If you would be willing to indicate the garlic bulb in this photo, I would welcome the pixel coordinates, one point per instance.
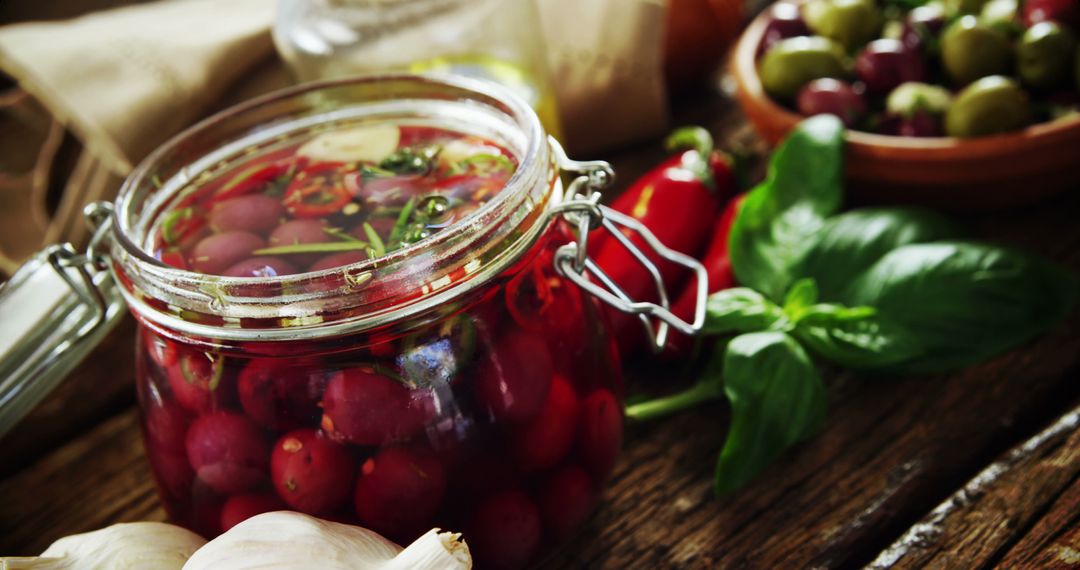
(287, 540)
(124, 546)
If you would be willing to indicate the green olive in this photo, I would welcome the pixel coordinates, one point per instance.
(1045, 55)
(1002, 15)
(794, 62)
(851, 23)
(970, 50)
(965, 6)
(990, 105)
(912, 97)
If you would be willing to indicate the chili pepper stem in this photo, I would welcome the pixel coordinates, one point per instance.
(699, 393)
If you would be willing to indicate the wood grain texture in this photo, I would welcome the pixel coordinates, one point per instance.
(96, 480)
(1054, 543)
(981, 522)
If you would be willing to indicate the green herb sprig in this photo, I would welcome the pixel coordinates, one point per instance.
(881, 290)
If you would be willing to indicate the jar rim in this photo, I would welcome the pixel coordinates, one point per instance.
(214, 306)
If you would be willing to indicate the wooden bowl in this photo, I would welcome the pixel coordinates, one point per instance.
(979, 173)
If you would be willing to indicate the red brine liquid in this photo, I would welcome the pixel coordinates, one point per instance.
(501, 418)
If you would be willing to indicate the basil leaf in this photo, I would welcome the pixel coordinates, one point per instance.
(779, 217)
(739, 310)
(857, 341)
(802, 295)
(851, 242)
(777, 399)
(965, 302)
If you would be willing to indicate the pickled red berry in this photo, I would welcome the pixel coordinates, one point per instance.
(161, 350)
(339, 259)
(512, 381)
(398, 492)
(545, 440)
(264, 266)
(785, 21)
(311, 473)
(280, 395)
(239, 508)
(504, 532)
(166, 424)
(197, 380)
(884, 64)
(255, 213)
(172, 472)
(566, 501)
(364, 407)
(228, 452)
(218, 252)
(832, 97)
(485, 472)
(600, 432)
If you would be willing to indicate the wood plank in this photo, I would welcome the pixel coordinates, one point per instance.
(96, 480)
(1055, 541)
(99, 388)
(979, 523)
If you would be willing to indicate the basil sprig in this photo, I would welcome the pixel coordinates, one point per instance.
(882, 290)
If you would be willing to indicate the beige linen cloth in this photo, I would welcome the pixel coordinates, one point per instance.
(122, 81)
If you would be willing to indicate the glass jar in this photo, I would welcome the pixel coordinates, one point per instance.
(464, 381)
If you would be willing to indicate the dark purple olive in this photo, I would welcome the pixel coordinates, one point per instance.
(921, 124)
(922, 26)
(296, 232)
(218, 252)
(832, 97)
(261, 267)
(884, 64)
(785, 21)
(255, 213)
(1065, 12)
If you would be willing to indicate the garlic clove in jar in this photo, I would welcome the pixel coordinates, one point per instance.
(370, 143)
(287, 540)
(124, 546)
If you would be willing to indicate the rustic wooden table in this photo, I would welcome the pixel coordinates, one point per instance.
(975, 469)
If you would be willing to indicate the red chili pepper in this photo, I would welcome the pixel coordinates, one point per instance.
(678, 201)
(317, 191)
(254, 178)
(717, 262)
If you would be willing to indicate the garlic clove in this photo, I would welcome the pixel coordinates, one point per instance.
(287, 540)
(435, 551)
(124, 546)
(369, 143)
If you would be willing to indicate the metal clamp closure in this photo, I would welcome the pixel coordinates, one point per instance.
(582, 209)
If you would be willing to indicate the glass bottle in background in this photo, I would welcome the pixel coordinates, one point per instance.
(497, 40)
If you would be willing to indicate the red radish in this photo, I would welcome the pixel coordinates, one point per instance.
(198, 380)
(601, 432)
(312, 473)
(567, 500)
(161, 350)
(366, 408)
(279, 395)
(239, 508)
(218, 252)
(264, 266)
(512, 380)
(228, 452)
(717, 262)
(339, 259)
(255, 213)
(398, 492)
(544, 441)
(504, 531)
